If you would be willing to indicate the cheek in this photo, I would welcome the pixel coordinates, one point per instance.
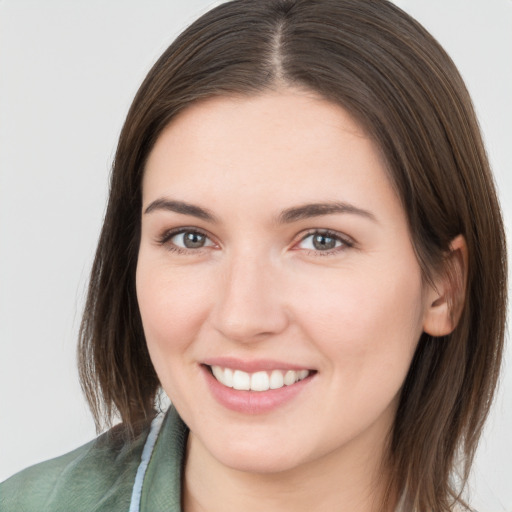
(370, 319)
(173, 305)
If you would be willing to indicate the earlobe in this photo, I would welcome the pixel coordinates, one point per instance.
(445, 301)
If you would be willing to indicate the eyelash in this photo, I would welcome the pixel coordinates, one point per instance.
(165, 238)
(346, 242)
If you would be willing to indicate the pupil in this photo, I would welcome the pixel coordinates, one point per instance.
(193, 240)
(322, 242)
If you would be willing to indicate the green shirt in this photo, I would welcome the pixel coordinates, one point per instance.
(100, 475)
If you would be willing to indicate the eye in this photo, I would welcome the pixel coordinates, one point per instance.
(186, 239)
(323, 241)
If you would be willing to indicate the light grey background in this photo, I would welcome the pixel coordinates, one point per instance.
(68, 71)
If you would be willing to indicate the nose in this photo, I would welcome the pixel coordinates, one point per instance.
(251, 300)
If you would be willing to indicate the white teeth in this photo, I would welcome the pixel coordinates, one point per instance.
(258, 381)
(303, 374)
(218, 373)
(228, 377)
(241, 380)
(289, 377)
(276, 379)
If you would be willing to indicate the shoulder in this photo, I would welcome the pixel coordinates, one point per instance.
(97, 476)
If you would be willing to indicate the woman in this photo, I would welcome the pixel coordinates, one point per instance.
(303, 247)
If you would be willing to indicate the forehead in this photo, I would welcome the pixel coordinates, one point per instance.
(280, 147)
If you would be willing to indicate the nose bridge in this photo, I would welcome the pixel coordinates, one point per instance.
(250, 305)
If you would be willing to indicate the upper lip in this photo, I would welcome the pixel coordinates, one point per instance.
(253, 365)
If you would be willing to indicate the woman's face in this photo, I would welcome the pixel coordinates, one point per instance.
(276, 255)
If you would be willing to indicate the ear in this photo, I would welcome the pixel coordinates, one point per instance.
(445, 300)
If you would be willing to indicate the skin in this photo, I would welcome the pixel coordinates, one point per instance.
(259, 289)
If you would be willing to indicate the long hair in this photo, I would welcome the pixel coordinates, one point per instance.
(393, 77)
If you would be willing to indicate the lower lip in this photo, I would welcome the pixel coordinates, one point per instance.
(253, 402)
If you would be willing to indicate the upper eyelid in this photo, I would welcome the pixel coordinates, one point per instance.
(346, 239)
(169, 233)
(346, 243)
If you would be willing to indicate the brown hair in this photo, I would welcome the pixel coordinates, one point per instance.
(396, 80)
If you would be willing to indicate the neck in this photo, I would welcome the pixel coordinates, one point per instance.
(347, 480)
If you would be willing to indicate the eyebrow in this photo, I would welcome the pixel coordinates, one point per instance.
(317, 209)
(181, 207)
(287, 216)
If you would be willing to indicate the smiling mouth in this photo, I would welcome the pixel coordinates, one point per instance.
(258, 381)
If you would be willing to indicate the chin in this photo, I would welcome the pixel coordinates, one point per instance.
(262, 450)
(256, 460)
